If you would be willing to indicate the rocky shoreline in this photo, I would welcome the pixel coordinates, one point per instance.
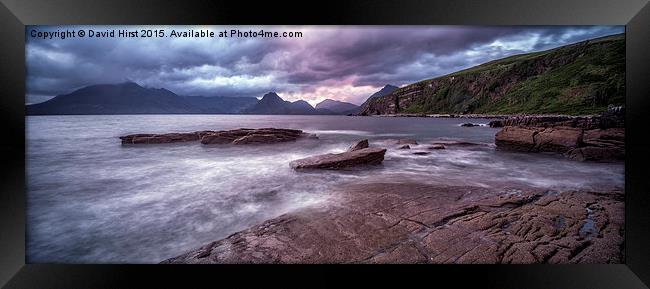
(598, 138)
(483, 116)
(418, 223)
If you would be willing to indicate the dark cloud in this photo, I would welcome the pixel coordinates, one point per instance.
(337, 62)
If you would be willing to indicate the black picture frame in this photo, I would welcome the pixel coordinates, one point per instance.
(15, 14)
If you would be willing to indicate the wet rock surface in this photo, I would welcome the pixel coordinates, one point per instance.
(597, 138)
(577, 144)
(144, 138)
(455, 143)
(403, 141)
(556, 139)
(358, 157)
(418, 223)
(495, 123)
(437, 147)
(237, 136)
(362, 144)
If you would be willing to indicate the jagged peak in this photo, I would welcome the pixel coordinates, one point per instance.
(271, 94)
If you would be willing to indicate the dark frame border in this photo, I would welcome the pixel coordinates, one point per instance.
(15, 14)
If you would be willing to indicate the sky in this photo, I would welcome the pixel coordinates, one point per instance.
(346, 63)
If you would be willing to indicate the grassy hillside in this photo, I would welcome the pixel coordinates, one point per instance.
(582, 78)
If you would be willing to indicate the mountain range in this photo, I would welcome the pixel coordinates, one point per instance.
(131, 98)
(580, 78)
(272, 103)
(336, 106)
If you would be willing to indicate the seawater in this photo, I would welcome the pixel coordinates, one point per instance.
(93, 200)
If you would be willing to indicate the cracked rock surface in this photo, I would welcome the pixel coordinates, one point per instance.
(235, 136)
(419, 223)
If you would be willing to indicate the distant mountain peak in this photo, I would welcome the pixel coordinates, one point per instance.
(387, 89)
(335, 105)
(271, 95)
(129, 83)
(328, 100)
(131, 98)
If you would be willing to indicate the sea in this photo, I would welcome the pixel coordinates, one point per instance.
(91, 199)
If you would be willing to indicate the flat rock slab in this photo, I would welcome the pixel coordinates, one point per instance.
(253, 136)
(575, 143)
(417, 223)
(366, 156)
(237, 136)
(144, 138)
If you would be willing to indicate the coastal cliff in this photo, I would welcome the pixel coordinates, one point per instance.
(577, 79)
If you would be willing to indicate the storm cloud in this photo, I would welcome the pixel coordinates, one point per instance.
(339, 62)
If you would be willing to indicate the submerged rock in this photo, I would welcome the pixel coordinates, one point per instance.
(469, 125)
(362, 144)
(597, 154)
(555, 139)
(461, 143)
(437, 147)
(404, 147)
(495, 123)
(366, 156)
(403, 141)
(421, 153)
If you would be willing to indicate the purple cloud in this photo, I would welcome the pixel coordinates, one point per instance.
(346, 62)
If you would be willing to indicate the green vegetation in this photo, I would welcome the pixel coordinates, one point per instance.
(582, 78)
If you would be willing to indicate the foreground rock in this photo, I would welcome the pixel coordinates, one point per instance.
(416, 223)
(236, 136)
(365, 156)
